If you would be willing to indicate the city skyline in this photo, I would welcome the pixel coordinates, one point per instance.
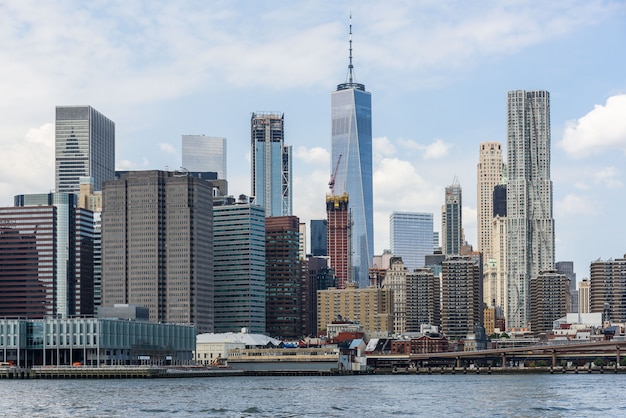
(438, 77)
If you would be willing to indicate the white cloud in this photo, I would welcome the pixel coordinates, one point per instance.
(308, 188)
(470, 220)
(28, 164)
(315, 155)
(608, 177)
(382, 147)
(168, 148)
(398, 187)
(132, 165)
(600, 130)
(573, 205)
(435, 150)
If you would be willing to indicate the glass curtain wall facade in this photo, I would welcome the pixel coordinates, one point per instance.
(411, 236)
(351, 120)
(530, 225)
(84, 147)
(239, 242)
(271, 164)
(204, 153)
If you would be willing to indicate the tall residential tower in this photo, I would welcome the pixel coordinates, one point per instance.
(351, 127)
(452, 220)
(530, 226)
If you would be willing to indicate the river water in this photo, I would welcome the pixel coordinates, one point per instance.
(536, 395)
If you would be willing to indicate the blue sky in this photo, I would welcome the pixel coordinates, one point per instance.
(438, 73)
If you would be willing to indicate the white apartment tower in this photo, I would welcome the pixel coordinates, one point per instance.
(530, 225)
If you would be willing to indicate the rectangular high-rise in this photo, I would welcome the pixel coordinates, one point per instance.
(411, 236)
(271, 164)
(461, 302)
(84, 147)
(530, 225)
(607, 290)
(339, 239)
(157, 246)
(239, 242)
(284, 278)
(46, 257)
(203, 153)
(452, 220)
(319, 237)
(351, 129)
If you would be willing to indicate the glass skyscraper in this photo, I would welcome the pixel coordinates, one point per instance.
(411, 236)
(84, 147)
(351, 127)
(239, 242)
(271, 164)
(530, 225)
(204, 153)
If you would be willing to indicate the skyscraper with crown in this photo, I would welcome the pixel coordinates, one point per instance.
(351, 119)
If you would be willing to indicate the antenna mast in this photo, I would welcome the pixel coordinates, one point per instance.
(350, 66)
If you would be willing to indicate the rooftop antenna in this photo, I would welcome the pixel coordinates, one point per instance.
(350, 83)
(350, 66)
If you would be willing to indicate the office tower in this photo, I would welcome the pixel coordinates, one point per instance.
(319, 237)
(351, 127)
(239, 254)
(372, 307)
(489, 174)
(607, 293)
(271, 164)
(530, 226)
(422, 299)
(84, 147)
(548, 300)
(46, 250)
(451, 220)
(584, 305)
(204, 153)
(395, 280)
(411, 236)
(285, 280)
(157, 246)
(461, 303)
(567, 268)
(339, 244)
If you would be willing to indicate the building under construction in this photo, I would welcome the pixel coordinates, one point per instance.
(339, 248)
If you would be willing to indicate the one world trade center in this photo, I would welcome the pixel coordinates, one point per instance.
(351, 115)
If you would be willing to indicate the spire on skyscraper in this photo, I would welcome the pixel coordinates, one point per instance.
(350, 76)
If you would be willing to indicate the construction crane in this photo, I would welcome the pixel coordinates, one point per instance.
(331, 183)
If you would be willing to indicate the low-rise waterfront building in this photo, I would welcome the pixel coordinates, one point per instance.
(213, 349)
(94, 342)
